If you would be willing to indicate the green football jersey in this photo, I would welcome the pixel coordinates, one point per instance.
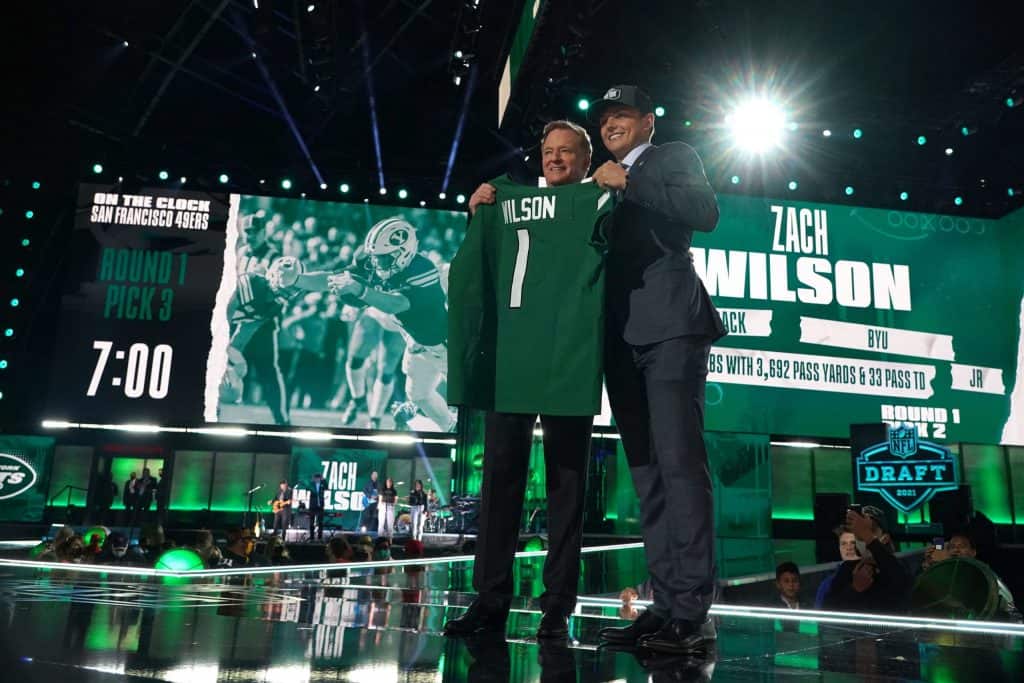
(526, 302)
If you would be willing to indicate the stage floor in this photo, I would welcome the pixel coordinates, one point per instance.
(384, 624)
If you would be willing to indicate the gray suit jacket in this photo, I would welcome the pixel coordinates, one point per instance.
(653, 292)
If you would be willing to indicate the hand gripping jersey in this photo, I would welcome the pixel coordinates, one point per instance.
(254, 299)
(526, 302)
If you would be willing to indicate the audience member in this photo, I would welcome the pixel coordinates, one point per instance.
(413, 548)
(276, 552)
(71, 550)
(115, 551)
(382, 548)
(961, 545)
(206, 548)
(338, 550)
(238, 551)
(47, 550)
(847, 553)
(878, 581)
(787, 581)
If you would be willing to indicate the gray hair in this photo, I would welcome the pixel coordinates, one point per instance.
(580, 131)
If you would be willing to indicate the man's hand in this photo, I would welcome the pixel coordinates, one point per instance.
(933, 555)
(863, 576)
(344, 283)
(485, 194)
(861, 526)
(628, 595)
(611, 176)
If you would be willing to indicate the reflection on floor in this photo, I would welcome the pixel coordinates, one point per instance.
(385, 624)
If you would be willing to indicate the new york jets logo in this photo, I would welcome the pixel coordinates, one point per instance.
(16, 476)
(398, 237)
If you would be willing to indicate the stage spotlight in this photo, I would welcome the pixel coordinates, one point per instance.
(583, 104)
(849, 190)
(25, 242)
(286, 184)
(182, 180)
(36, 185)
(323, 186)
(921, 139)
(1010, 192)
(30, 214)
(458, 54)
(403, 194)
(163, 175)
(757, 125)
(958, 201)
(14, 303)
(223, 178)
(457, 80)
(344, 188)
(735, 180)
(125, 43)
(3, 364)
(858, 133)
(1014, 101)
(904, 196)
(659, 111)
(687, 123)
(422, 203)
(826, 133)
(793, 185)
(442, 195)
(9, 332)
(460, 199)
(20, 272)
(968, 130)
(383, 191)
(310, 8)
(97, 168)
(949, 151)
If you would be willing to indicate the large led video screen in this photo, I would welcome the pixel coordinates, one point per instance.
(183, 308)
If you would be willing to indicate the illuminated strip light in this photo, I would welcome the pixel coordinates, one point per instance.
(294, 569)
(301, 435)
(593, 435)
(805, 444)
(860, 618)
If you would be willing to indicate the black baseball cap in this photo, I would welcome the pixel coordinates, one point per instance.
(629, 95)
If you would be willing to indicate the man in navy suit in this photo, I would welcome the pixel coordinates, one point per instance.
(316, 507)
(660, 327)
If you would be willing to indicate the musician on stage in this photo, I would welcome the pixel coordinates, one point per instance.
(316, 508)
(370, 495)
(282, 505)
(386, 509)
(417, 509)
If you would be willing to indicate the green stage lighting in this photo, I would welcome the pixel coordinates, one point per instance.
(20, 272)
(904, 196)
(25, 242)
(460, 199)
(1011, 102)
(30, 214)
(793, 185)
(383, 191)
(14, 303)
(97, 168)
(403, 194)
(735, 180)
(921, 139)
(286, 184)
(959, 201)
(180, 560)
(442, 195)
(344, 188)
(1010, 192)
(659, 111)
(3, 364)
(36, 185)
(687, 123)
(99, 531)
(858, 133)
(164, 175)
(583, 104)
(849, 190)
(223, 178)
(9, 332)
(534, 544)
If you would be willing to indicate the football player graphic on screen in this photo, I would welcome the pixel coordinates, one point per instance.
(401, 290)
(254, 313)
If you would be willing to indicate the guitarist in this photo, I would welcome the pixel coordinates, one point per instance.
(282, 504)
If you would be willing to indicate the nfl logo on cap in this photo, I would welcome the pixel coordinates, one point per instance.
(613, 94)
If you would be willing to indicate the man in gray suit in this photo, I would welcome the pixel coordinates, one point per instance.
(660, 327)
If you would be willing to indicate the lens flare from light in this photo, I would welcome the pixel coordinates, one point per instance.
(757, 125)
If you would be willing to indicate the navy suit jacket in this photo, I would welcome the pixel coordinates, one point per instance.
(653, 292)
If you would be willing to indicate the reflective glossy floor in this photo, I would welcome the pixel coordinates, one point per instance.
(384, 624)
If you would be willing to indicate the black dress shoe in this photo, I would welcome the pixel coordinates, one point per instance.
(647, 623)
(479, 618)
(553, 625)
(676, 637)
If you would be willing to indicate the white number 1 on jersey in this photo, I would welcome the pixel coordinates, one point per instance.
(519, 272)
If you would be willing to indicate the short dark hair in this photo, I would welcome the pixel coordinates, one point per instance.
(283, 481)
(966, 535)
(786, 568)
(580, 131)
(339, 548)
(317, 475)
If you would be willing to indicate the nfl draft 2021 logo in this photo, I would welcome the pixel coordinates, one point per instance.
(906, 471)
(16, 476)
